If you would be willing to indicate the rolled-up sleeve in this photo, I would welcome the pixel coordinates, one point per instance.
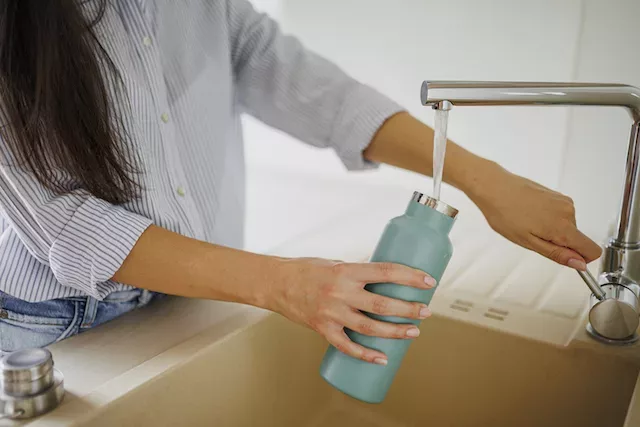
(297, 91)
(83, 239)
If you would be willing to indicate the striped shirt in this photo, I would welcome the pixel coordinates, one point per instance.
(190, 69)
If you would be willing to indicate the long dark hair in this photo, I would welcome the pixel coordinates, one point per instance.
(55, 98)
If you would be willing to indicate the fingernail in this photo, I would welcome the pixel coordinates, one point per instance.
(430, 281)
(413, 332)
(425, 312)
(380, 361)
(577, 264)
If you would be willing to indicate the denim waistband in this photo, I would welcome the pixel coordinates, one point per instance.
(66, 308)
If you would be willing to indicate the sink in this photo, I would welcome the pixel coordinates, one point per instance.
(506, 347)
(455, 374)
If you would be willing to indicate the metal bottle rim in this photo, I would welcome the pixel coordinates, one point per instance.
(435, 204)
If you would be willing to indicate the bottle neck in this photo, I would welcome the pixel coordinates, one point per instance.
(430, 217)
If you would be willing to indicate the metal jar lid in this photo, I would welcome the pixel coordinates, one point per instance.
(29, 384)
(26, 365)
(435, 204)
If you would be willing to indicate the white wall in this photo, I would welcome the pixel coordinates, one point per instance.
(395, 45)
(598, 137)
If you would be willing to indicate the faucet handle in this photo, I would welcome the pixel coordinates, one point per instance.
(592, 283)
(615, 319)
(615, 307)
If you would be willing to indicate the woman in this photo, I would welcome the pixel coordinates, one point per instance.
(122, 169)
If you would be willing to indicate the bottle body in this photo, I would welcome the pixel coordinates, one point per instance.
(419, 239)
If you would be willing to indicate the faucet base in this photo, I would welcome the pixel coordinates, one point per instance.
(626, 341)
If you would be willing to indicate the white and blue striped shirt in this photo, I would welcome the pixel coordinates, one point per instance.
(190, 69)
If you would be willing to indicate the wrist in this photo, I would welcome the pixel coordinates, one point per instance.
(276, 279)
(474, 175)
(234, 275)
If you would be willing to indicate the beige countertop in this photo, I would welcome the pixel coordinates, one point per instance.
(148, 337)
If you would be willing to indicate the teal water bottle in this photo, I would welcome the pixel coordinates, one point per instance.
(419, 239)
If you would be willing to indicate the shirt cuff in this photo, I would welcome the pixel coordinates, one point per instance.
(93, 245)
(363, 113)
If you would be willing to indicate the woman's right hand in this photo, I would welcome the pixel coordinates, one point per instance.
(328, 296)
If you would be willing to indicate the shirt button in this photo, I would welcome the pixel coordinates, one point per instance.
(164, 117)
(181, 191)
(146, 41)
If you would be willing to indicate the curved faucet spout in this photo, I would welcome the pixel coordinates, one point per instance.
(531, 93)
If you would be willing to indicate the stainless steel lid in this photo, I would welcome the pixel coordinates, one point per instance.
(26, 365)
(29, 384)
(24, 407)
(436, 204)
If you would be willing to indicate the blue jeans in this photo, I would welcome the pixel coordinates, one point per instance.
(37, 324)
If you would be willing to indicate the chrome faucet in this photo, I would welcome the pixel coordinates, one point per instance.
(615, 299)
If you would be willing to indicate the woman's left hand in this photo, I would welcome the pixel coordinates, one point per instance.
(533, 216)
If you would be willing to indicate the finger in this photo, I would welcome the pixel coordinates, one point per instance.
(387, 272)
(342, 343)
(568, 235)
(385, 306)
(580, 243)
(560, 254)
(360, 323)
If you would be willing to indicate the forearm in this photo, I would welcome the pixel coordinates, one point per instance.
(407, 143)
(170, 263)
